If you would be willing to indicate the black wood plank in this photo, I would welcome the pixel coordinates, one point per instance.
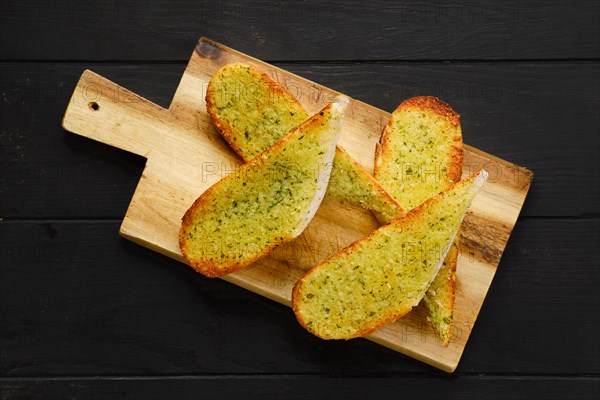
(45, 171)
(540, 115)
(305, 387)
(75, 299)
(293, 30)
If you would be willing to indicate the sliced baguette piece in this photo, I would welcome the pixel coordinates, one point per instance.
(252, 111)
(420, 154)
(268, 201)
(382, 277)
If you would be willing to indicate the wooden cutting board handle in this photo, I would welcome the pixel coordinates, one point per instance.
(106, 112)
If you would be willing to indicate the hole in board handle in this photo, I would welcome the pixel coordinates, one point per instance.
(93, 106)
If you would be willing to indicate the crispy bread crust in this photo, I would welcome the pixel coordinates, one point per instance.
(297, 293)
(213, 270)
(209, 269)
(225, 129)
(432, 105)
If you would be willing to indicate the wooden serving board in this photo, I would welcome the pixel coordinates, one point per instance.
(186, 156)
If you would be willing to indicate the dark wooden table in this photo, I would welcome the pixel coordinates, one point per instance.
(85, 314)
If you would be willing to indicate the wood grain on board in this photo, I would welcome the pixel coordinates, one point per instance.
(186, 156)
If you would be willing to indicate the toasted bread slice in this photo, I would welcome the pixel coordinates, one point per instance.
(383, 276)
(420, 154)
(252, 111)
(267, 202)
(420, 151)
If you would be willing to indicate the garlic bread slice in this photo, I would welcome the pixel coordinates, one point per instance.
(382, 277)
(267, 202)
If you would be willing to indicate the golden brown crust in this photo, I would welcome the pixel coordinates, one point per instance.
(297, 295)
(427, 104)
(208, 269)
(406, 218)
(223, 127)
(297, 290)
(382, 155)
(212, 270)
(378, 154)
(430, 103)
(456, 159)
(441, 108)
